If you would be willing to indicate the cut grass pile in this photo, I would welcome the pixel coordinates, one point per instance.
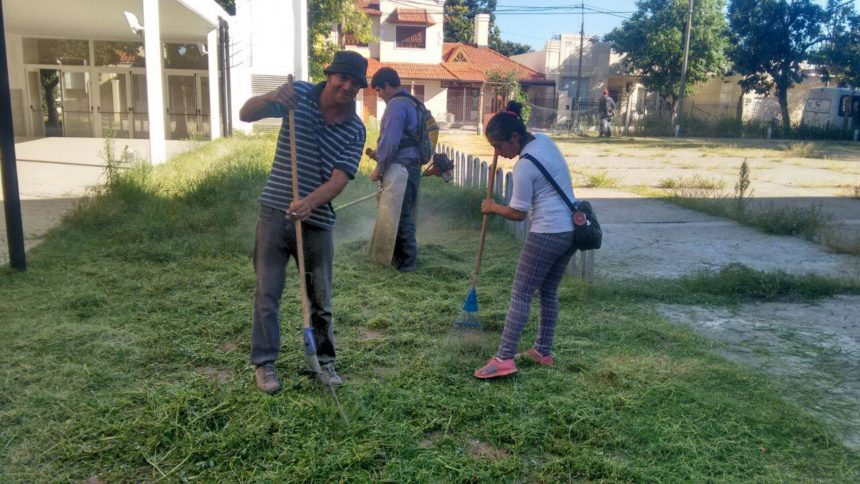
(125, 358)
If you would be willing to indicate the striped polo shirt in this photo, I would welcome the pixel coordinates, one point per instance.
(320, 148)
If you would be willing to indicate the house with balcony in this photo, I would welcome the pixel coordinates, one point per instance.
(449, 77)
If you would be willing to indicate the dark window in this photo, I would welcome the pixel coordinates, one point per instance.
(411, 37)
(844, 105)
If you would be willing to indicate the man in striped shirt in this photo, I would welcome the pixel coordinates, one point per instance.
(329, 140)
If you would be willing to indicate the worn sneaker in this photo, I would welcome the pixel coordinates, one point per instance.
(496, 368)
(328, 376)
(539, 358)
(267, 379)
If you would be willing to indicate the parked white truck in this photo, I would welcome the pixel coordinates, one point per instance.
(832, 107)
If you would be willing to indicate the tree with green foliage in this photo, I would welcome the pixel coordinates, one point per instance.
(460, 25)
(228, 5)
(507, 86)
(839, 56)
(652, 42)
(771, 39)
(322, 14)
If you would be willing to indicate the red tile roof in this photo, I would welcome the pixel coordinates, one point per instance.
(411, 70)
(484, 59)
(370, 7)
(481, 61)
(414, 16)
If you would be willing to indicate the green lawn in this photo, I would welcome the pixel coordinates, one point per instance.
(125, 358)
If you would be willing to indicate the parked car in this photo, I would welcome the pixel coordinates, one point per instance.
(832, 107)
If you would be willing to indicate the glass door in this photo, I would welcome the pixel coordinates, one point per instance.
(182, 107)
(204, 119)
(43, 86)
(139, 106)
(77, 107)
(114, 109)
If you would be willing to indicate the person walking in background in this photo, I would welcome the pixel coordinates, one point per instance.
(605, 111)
(329, 140)
(398, 150)
(549, 245)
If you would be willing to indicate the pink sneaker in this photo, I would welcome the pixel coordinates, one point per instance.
(496, 368)
(539, 358)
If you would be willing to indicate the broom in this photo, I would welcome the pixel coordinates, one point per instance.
(469, 316)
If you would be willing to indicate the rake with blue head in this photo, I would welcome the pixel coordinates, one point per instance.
(468, 318)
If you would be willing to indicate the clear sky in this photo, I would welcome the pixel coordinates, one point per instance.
(530, 22)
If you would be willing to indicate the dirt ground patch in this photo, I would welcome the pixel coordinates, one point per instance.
(215, 374)
(811, 351)
(485, 450)
(825, 173)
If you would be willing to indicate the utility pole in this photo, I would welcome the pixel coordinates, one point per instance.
(579, 70)
(680, 105)
(11, 198)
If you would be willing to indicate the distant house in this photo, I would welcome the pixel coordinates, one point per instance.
(583, 77)
(449, 77)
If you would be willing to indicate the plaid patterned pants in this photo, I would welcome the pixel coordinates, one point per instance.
(542, 264)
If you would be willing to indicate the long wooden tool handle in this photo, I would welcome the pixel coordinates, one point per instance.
(491, 179)
(300, 245)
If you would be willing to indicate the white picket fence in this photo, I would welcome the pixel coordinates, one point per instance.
(473, 173)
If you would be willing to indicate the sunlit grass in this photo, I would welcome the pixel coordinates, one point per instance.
(125, 357)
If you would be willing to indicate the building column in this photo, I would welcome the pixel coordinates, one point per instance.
(214, 85)
(154, 81)
(302, 40)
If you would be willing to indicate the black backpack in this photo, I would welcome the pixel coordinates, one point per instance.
(428, 131)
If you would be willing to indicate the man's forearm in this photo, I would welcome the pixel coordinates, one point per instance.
(328, 190)
(255, 108)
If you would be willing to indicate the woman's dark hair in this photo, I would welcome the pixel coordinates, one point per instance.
(506, 123)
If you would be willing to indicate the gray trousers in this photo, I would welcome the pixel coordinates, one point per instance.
(275, 243)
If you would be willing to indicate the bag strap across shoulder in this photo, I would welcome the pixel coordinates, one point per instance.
(551, 180)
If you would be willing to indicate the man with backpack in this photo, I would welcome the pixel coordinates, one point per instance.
(605, 110)
(402, 149)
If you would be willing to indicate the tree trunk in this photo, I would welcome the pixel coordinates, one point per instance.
(739, 111)
(782, 96)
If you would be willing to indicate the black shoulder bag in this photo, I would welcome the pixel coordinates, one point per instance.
(586, 229)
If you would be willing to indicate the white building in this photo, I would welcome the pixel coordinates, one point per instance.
(449, 77)
(600, 69)
(84, 68)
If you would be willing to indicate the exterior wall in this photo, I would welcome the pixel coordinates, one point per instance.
(17, 82)
(533, 60)
(435, 99)
(268, 41)
(431, 54)
(718, 91)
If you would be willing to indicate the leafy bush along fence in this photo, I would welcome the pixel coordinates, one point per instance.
(473, 173)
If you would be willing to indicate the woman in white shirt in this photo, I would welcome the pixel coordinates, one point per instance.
(549, 244)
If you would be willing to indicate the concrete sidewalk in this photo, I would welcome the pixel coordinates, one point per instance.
(649, 238)
(53, 175)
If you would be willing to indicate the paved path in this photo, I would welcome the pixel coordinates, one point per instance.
(649, 238)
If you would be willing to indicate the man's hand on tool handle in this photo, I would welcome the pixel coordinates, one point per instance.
(299, 209)
(374, 175)
(284, 95)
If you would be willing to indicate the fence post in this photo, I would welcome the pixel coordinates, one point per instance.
(484, 175)
(469, 171)
(856, 134)
(476, 172)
